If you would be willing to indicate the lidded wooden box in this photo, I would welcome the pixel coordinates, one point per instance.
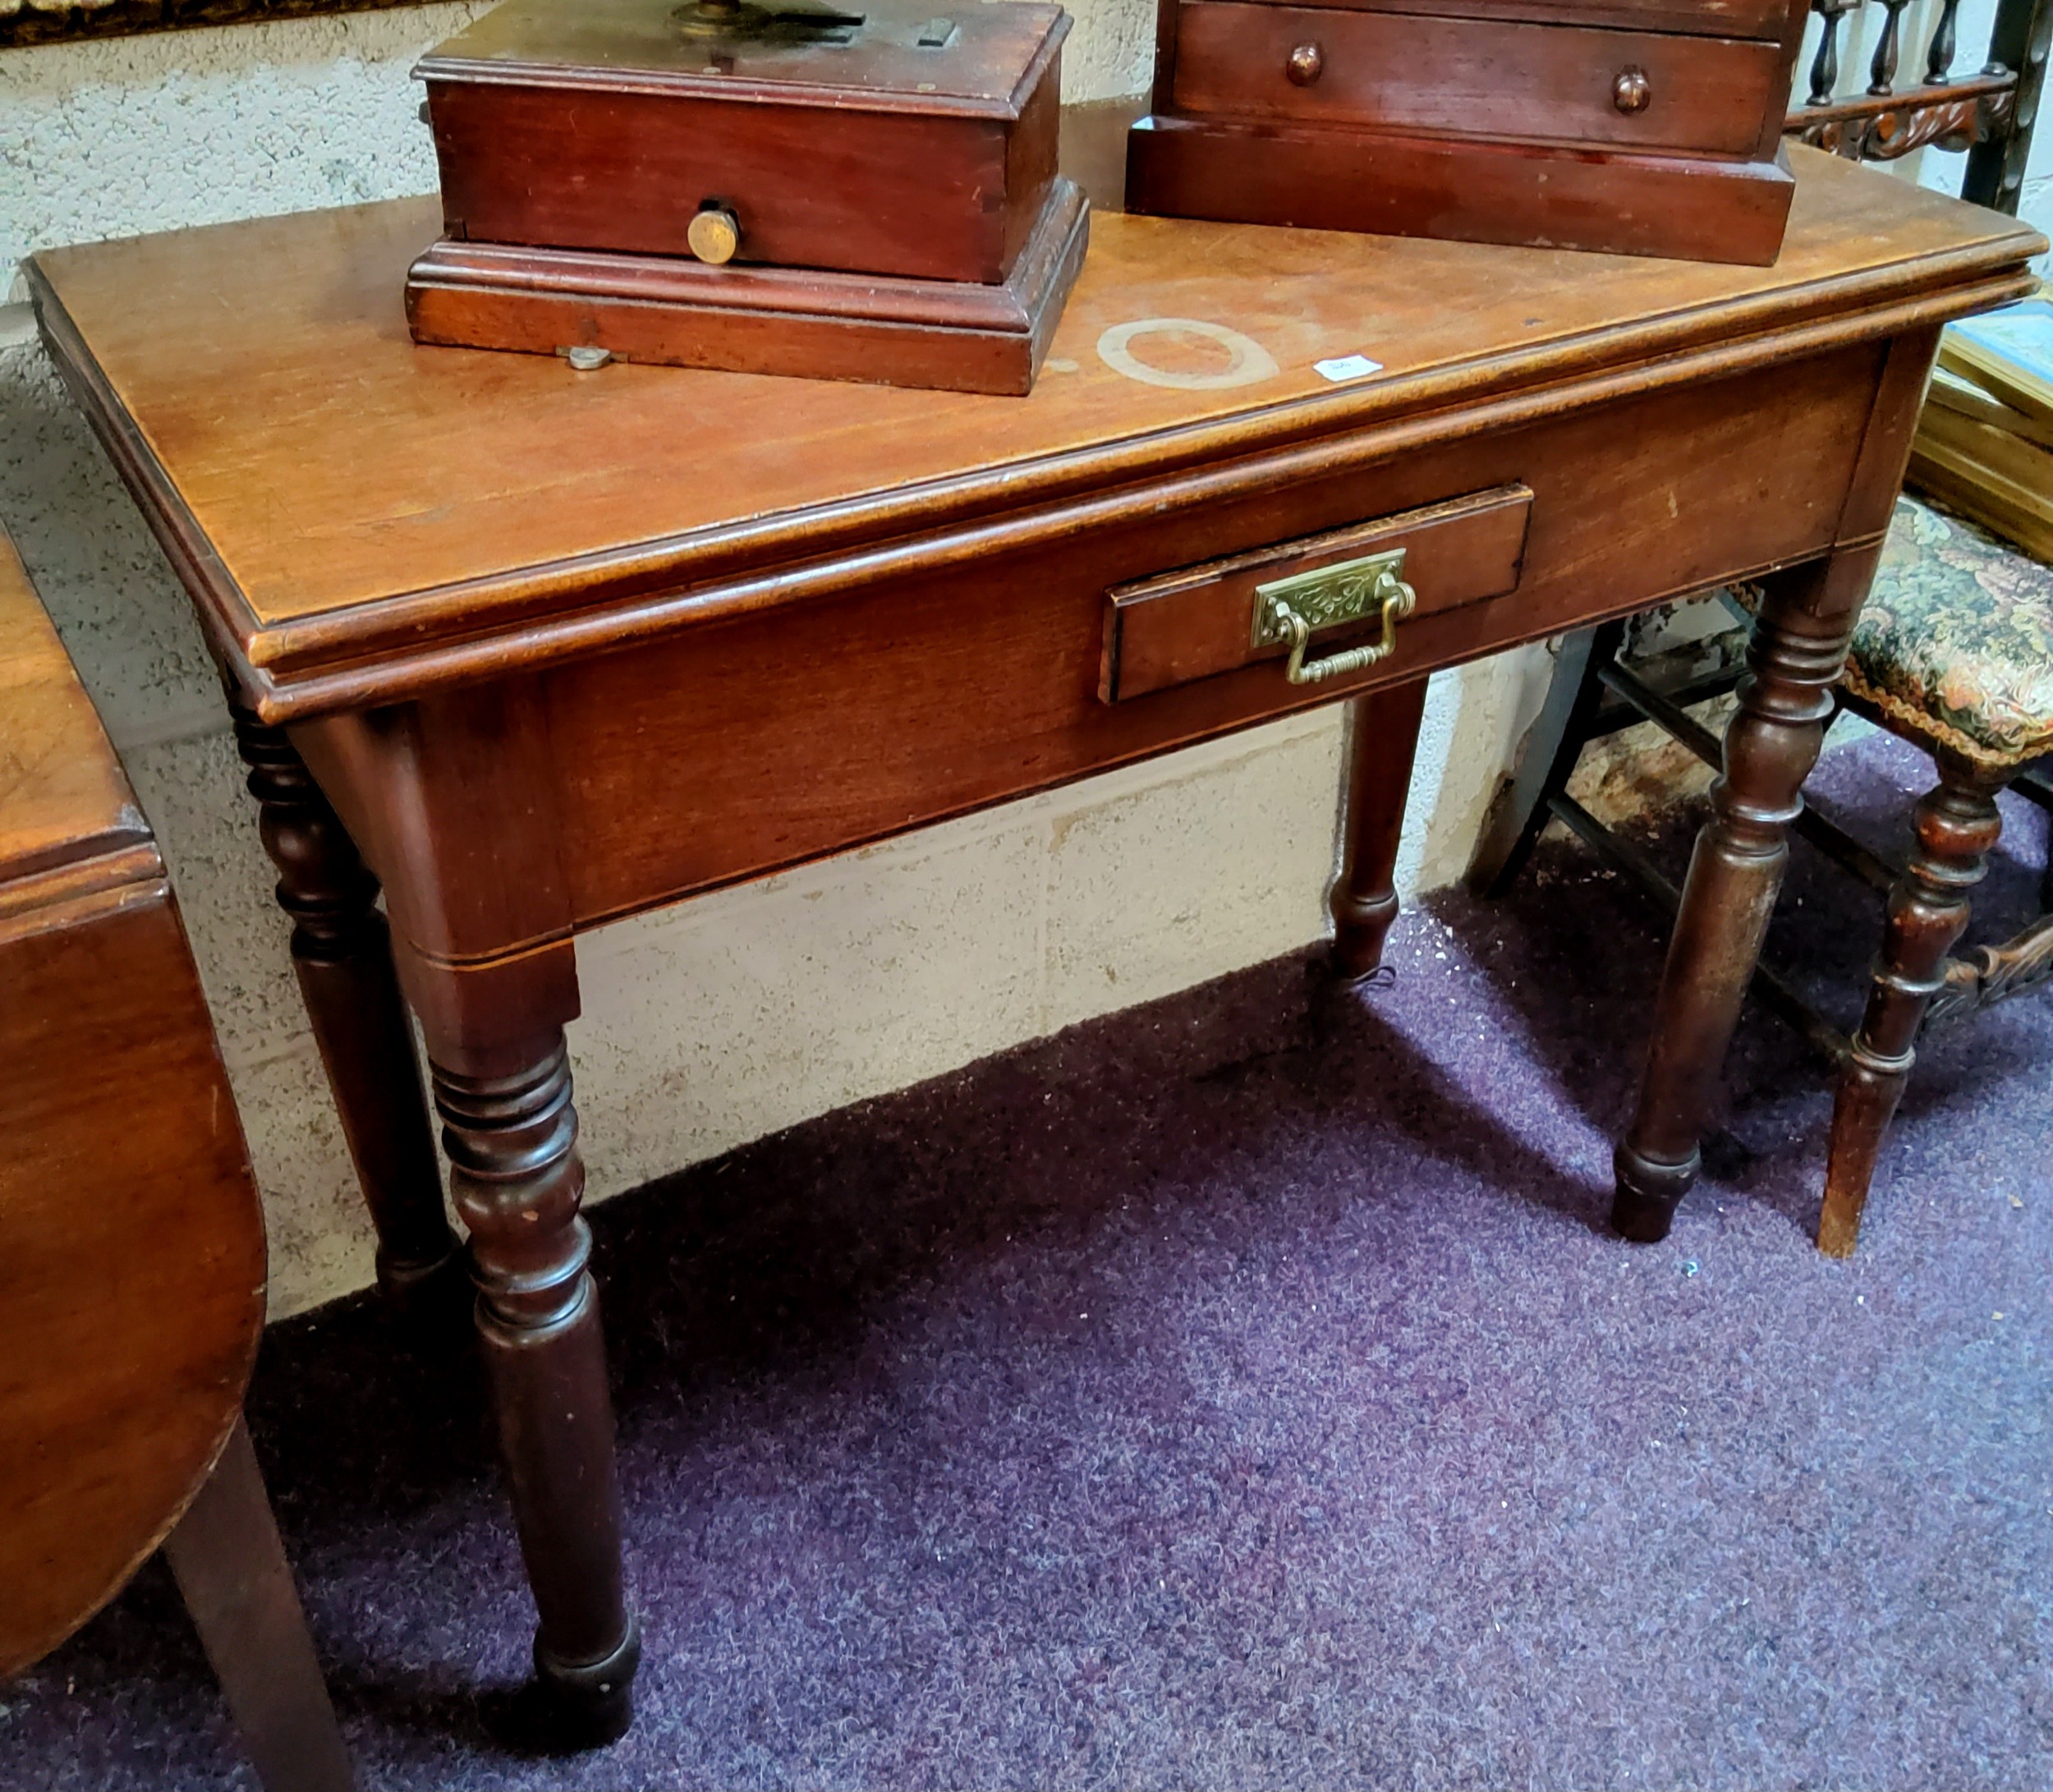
(1641, 127)
(860, 191)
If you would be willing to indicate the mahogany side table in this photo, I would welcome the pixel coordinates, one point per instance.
(537, 648)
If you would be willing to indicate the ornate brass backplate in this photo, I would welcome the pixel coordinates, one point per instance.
(1292, 610)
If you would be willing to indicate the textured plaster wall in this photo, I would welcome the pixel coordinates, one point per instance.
(728, 1017)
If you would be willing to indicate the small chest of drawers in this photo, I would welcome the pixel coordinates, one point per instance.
(1638, 126)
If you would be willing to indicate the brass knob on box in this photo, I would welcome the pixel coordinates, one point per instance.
(714, 234)
(1305, 65)
(1631, 91)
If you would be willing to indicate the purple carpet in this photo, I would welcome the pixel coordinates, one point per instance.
(1244, 1391)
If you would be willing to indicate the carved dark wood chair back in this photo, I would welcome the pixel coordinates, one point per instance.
(1988, 114)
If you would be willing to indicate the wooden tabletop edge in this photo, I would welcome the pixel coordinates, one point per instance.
(359, 651)
(352, 655)
(226, 615)
(65, 800)
(109, 872)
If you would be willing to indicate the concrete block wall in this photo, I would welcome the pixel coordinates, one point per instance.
(727, 1018)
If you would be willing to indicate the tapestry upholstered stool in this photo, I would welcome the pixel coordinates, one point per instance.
(1954, 653)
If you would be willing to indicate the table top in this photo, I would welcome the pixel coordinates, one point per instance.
(358, 517)
(62, 797)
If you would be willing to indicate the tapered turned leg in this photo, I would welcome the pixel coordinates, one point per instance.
(1957, 827)
(1799, 644)
(1383, 741)
(511, 1135)
(343, 954)
(230, 1566)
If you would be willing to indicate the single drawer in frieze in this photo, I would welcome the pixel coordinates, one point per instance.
(1323, 607)
(1476, 77)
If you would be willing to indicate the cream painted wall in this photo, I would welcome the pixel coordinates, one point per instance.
(730, 1018)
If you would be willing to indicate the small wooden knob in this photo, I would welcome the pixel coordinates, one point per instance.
(715, 234)
(1306, 63)
(1631, 91)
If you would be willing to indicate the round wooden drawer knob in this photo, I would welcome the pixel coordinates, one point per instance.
(1306, 63)
(1631, 91)
(715, 234)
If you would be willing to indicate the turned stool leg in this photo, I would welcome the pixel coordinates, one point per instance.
(1799, 644)
(1957, 827)
(516, 1180)
(1383, 741)
(343, 954)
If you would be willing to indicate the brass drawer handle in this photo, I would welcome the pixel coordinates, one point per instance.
(1289, 609)
(1631, 91)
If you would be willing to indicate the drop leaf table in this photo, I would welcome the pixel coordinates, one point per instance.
(131, 1239)
(536, 648)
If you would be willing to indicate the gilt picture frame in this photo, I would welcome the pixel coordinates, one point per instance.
(25, 24)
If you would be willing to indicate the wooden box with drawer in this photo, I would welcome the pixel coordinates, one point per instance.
(864, 192)
(1639, 127)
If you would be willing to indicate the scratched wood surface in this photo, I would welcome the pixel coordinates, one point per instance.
(595, 42)
(331, 490)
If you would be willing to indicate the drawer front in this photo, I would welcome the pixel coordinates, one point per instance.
(1476, 77)
(1775, 19)
(1225, 614)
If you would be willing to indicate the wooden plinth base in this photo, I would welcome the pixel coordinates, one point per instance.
(1331, 177)
(954, 335)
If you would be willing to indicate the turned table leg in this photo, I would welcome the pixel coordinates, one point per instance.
(1799, 645)
(1957, 827)
(516, 1180)
(343, 954)
(1383, 741)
